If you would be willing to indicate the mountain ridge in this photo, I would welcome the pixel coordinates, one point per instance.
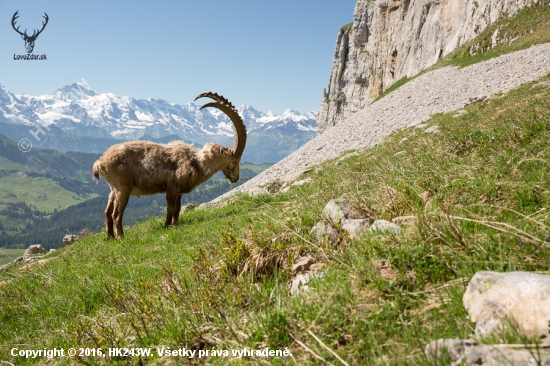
(77, 110)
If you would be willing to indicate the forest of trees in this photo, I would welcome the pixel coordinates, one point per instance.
(48, 228)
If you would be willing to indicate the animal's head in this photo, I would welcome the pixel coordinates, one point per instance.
(230, 168)
(231, 157)
(29, 40)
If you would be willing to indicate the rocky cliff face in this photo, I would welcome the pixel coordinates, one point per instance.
(391, 39)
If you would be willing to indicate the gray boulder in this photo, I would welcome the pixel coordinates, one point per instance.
(338, 209)
(34, 249)
(300, 283)
(521, 296)
(70, 239)
(355, 227)
(465, 352)
(386, 227)
(325, 230)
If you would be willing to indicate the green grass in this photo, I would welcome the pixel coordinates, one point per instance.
(6, 164)
(528, 27)
(220, 281)
(8, 255)
(44, 193)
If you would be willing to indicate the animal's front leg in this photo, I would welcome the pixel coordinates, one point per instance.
(171, 203)
(122, 198)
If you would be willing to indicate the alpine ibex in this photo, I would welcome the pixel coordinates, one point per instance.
(144, 168)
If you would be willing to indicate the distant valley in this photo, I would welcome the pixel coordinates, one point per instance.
(45, 194)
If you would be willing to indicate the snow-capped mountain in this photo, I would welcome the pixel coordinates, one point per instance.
(79, 111)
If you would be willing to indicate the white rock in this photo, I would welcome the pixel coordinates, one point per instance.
(70, 239)
(34, 249)
(385, 227)
(460, 112)
(354, 227)
(257, 191)
(467, 352)
(522, 296)
(300, 283)
(433, 129)
(295, 184)
(189, 207)
(324, 229)
(294, 176)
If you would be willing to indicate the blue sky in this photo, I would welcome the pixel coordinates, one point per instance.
(273, 55)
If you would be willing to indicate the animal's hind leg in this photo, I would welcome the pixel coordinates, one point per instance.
(122, 198)
(171, 207)
(109, 215)
(178, 209)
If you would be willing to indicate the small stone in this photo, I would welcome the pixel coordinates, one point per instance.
(421, 125)
(385, 227)
(274, 186)
(70, 239)
(35, 249)
(208, 205)
(338, 209)
(297, 183)
(459, 113)
(433, 129)
(338, 163)
(189, 207)
(302, 264)
(354, 227)
(399, 153)
(257, 191)
(300, 282)
(403, 140)
(325, 230)
(318, 170)
(294, 176)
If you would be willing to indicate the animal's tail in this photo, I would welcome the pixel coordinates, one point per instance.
(96, 171)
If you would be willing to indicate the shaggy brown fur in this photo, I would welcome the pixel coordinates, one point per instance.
(144, 168)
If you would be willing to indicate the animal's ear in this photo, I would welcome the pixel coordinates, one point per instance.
(224, 151)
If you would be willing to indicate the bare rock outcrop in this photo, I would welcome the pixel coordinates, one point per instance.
(493, 298)
(392, 39)
(464, 352)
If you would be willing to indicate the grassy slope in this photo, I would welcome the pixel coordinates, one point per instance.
(528, 27)
(44, 193)
(219, 281)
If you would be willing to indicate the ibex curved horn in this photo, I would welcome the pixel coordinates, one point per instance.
(225, 106)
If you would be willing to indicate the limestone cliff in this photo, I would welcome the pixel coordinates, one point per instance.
(391, 39)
